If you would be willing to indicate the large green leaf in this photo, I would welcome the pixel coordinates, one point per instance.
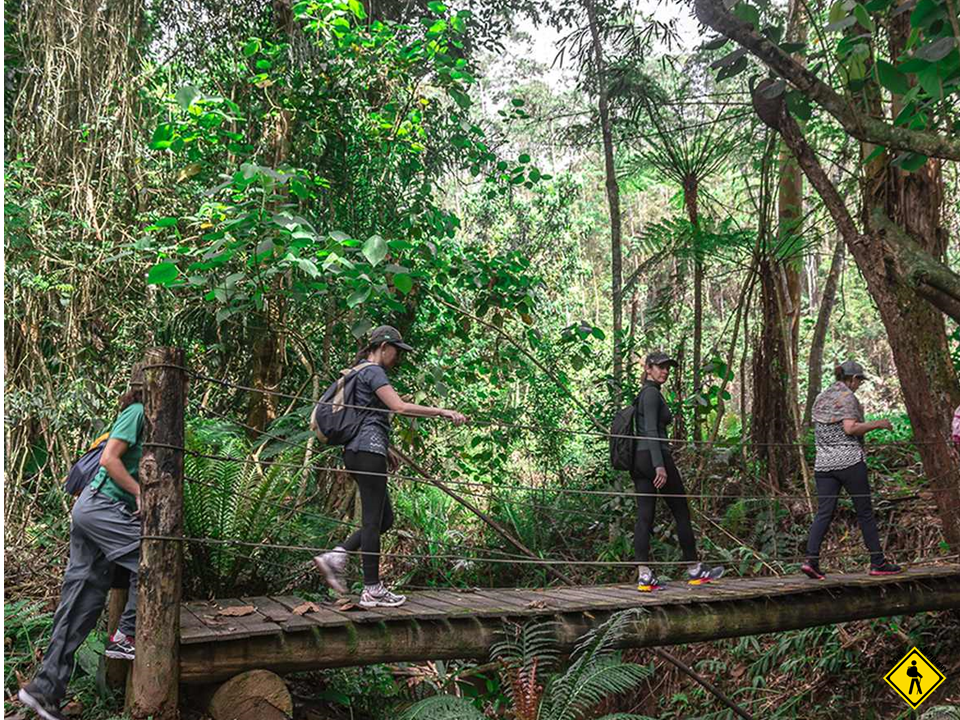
(162, 274)
(375, 249)
(891, 78)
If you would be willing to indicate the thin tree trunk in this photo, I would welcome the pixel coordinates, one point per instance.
(690, 201)
(613, 199)
(815, 370)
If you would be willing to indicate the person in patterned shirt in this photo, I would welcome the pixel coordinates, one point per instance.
(839, 427)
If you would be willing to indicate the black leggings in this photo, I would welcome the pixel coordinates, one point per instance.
(370, 472)
(643, 474)
(854, 480)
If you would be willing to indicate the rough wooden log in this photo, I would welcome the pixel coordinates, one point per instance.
(156, 670)
(115, 672)
(470, 636)
(253, 695)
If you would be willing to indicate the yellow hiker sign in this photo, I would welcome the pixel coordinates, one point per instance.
(914, 678)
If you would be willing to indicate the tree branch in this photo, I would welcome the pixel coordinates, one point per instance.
(914, 267)
(868, 129)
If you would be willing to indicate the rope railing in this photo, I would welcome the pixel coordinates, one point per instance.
(525, 426)
(521, 561)
(535, 488)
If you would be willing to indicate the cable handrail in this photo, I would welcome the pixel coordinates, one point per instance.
(531, 427)
(531, 488)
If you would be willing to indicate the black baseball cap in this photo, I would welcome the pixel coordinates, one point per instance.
(852, 369)
(658, 357)
(388, 334)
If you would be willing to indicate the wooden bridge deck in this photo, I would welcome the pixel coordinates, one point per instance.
(446, 624)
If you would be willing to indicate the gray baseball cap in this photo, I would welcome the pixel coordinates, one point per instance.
(658, 357)
(852, 369)
(388, 334)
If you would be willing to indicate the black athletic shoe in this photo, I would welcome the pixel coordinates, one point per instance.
(120, 647)
(40, 704)
(811, 568)
(885, 568)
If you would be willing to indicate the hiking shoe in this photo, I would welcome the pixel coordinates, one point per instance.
(332, 565)
(811, 568)
(120, 647)
(647, 581)
(39, 703)
(885, 568)
(700, 574)
(378, 596)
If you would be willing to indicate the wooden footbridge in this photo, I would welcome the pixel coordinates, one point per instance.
(286, 633)
(202, 642)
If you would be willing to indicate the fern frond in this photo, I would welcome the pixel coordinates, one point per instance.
(442, 707)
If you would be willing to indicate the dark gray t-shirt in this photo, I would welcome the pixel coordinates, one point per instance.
(374, 433)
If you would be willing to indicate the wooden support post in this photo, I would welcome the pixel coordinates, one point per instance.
(115, 673)
(156, 671)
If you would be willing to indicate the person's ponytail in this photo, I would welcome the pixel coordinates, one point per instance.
(838, 372)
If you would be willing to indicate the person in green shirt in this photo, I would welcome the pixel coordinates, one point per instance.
(105, 533)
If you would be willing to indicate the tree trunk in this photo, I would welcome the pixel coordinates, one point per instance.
(815, 370)
(156, 670)
(690, 201)
(771, 425)
(908, 204)
(613, 199)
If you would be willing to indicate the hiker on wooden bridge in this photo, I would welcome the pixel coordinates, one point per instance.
(342, 414)
(654, 472)
(104, 534)
(839, 427)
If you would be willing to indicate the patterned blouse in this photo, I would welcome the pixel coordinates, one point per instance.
(835, 449)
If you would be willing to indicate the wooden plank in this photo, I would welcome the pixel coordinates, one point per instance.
(327, 616)
(426, 609)
(218, 627)
(275, 612)
(192, 628)
(254, 624)
(477, 604)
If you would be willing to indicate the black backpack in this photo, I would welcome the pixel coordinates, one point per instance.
(335, 420)
(86, 468)
(622, 443)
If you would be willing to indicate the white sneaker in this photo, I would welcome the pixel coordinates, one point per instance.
(331, 565)
(379, 596)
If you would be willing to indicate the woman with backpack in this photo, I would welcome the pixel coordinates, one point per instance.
(104, 535)
(839, 427)
(368, 457)
(655, 472)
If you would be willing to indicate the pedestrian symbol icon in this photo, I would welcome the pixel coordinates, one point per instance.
(914, 678)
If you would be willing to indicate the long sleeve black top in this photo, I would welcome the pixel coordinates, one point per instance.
(653, 416)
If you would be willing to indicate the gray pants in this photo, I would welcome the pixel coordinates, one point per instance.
(104, 533)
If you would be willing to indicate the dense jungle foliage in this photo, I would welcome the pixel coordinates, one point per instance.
(536, 194)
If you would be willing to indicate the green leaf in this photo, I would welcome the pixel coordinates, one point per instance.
(308, 266)
(910, 162)
(162, 136)
(252, 47)
(877, 152)
(162, 274)
(438, 27)
(358, 296)
(166, 222)
(716, 43)
(356, 7)
(748, 14)
(936, 50)
(930, 81)
(841, 24)
(523, 159)
(403, 283)
(863, 17)
(375, 250)
(437, 7)
(877, 6)
(837, 12)
(186, 95)
(891, 78)
(799, 106)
